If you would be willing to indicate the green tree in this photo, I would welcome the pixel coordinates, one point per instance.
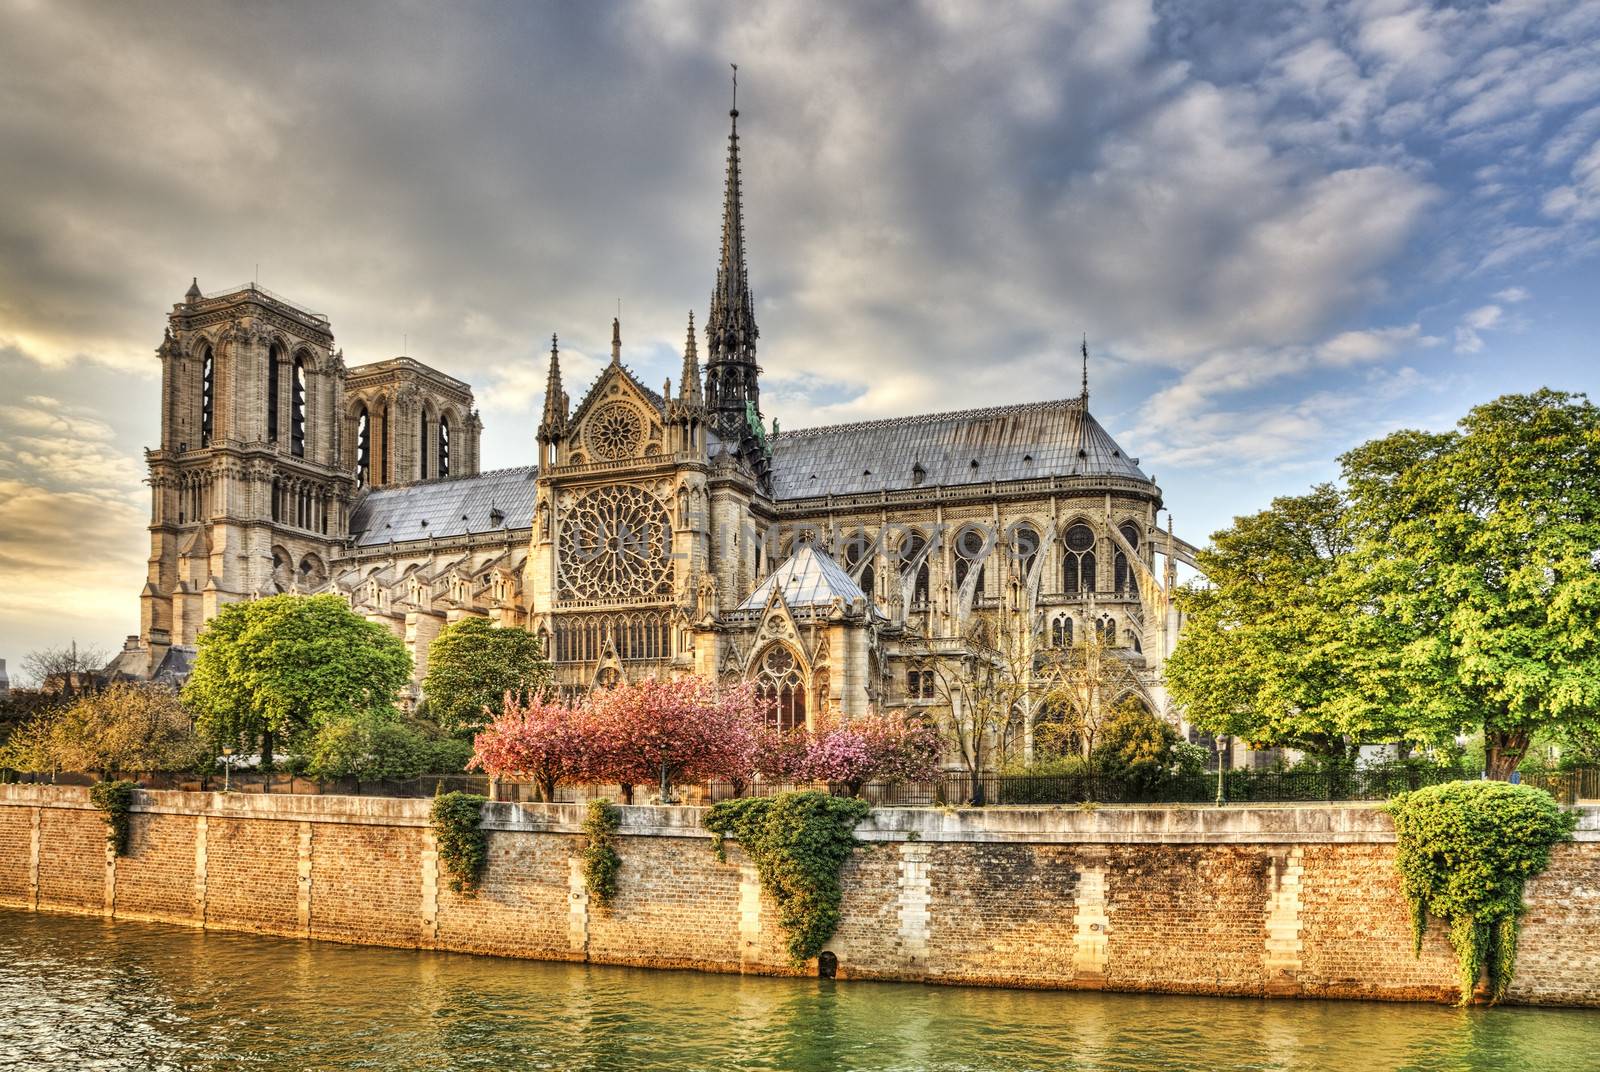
(123, 727)
(1271, 650)
(472, 665)
(1453, 585)
(273, 669)
(1478, 556)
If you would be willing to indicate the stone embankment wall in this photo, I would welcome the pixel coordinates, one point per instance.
(1292, 901)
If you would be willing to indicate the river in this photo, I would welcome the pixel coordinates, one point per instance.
(86, 993)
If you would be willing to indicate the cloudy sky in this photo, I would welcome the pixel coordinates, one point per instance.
(1284, 230)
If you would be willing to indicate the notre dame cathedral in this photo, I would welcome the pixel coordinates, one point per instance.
(657, 533)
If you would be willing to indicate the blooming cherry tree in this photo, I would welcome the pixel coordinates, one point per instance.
(869, 748)
(543, 740)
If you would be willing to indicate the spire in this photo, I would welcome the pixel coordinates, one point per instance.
(555, 399)
(1085, 395)
(731, 372)
(689, 382)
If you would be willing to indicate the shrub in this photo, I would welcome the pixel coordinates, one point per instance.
(1464, 851)
(463, 844)
(115, 801)
(798, 843)
(600, 859)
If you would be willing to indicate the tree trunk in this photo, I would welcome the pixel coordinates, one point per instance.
(627, 793)
(1503, 750)
(266, 751)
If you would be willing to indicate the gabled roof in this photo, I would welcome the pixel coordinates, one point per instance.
(453, 506)
(1034, 439)
(807, 578)
(653, 397)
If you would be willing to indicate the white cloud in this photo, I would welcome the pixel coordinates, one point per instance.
(1468, 337)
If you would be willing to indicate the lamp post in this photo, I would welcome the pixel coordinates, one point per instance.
(227, 767)
(1222, 745)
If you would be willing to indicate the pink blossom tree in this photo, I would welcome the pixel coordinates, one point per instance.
(542, 740)
(868, 748)
(674, 731)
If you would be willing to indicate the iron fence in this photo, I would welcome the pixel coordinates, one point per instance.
(1243, 786)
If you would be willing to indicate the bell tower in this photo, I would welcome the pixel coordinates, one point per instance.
(248, 496)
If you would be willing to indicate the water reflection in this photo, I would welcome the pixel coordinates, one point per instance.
(80, 992)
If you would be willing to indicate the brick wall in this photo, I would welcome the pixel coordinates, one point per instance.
(1271, 901)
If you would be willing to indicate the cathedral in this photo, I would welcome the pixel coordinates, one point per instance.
(844, 568)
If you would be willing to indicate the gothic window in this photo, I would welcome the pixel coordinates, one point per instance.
(444, 445)
(1127, 583)
(920, 684)
(274, 356)
(635, 636)
(1077, 561)
(972, 547)
(363, 446)
(858, 553)
(1025, 545)
(277, 500)
(615, 431)
(778, 681)
(1106, 630)
(383, 447)
(297, 418)
(615, 545)
(422, 449)
(913, 558)
(1061, 633)
(208, 395)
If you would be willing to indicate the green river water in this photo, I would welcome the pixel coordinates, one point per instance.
(80, 993)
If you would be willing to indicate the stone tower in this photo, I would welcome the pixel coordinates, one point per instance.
(248, 494)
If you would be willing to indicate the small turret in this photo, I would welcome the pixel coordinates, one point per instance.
(554, 424)
(192, 295)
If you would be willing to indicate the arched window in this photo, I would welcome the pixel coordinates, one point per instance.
(778, 681)
(363, 446)
(972, 547)
(1025, 544)
(444, 445)
(912, 558)
(383, 447)
(1077, 561)
(297, 409)
(274, 356)
(1061, 632)
(1127, 582)
(858, 553)
(208, 395)
(1107, 629)
(422, 450)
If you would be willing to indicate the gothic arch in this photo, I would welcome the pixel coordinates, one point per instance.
(779, 673)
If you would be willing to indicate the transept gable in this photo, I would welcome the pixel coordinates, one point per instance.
(619, 418)
(778, 626)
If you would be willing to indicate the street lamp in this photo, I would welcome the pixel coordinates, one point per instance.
(227, 766)
(1221, 748)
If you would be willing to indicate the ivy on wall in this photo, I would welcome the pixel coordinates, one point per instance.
(798, 843)
(462, 843)
(600, 859)
(115, 801)
(1464, 851)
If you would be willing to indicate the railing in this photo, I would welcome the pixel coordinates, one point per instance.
(1245, 786)
(241, 288)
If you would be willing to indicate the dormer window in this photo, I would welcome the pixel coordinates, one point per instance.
(918, 474)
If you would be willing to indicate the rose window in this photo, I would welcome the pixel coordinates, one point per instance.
(616, 544)
(615, 431)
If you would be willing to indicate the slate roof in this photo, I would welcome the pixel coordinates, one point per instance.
(1035, 439)
(807, 578)
(453, 506)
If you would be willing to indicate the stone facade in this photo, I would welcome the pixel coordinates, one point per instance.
(1272, 901)
(659, 532)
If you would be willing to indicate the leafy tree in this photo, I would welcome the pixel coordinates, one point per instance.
(276, 668)
(1142, 750)
(123, 727)
(1453, 585)
(1478, 555)
(539, 739)
(871, 748)
(1084, 686)
(473, 665)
